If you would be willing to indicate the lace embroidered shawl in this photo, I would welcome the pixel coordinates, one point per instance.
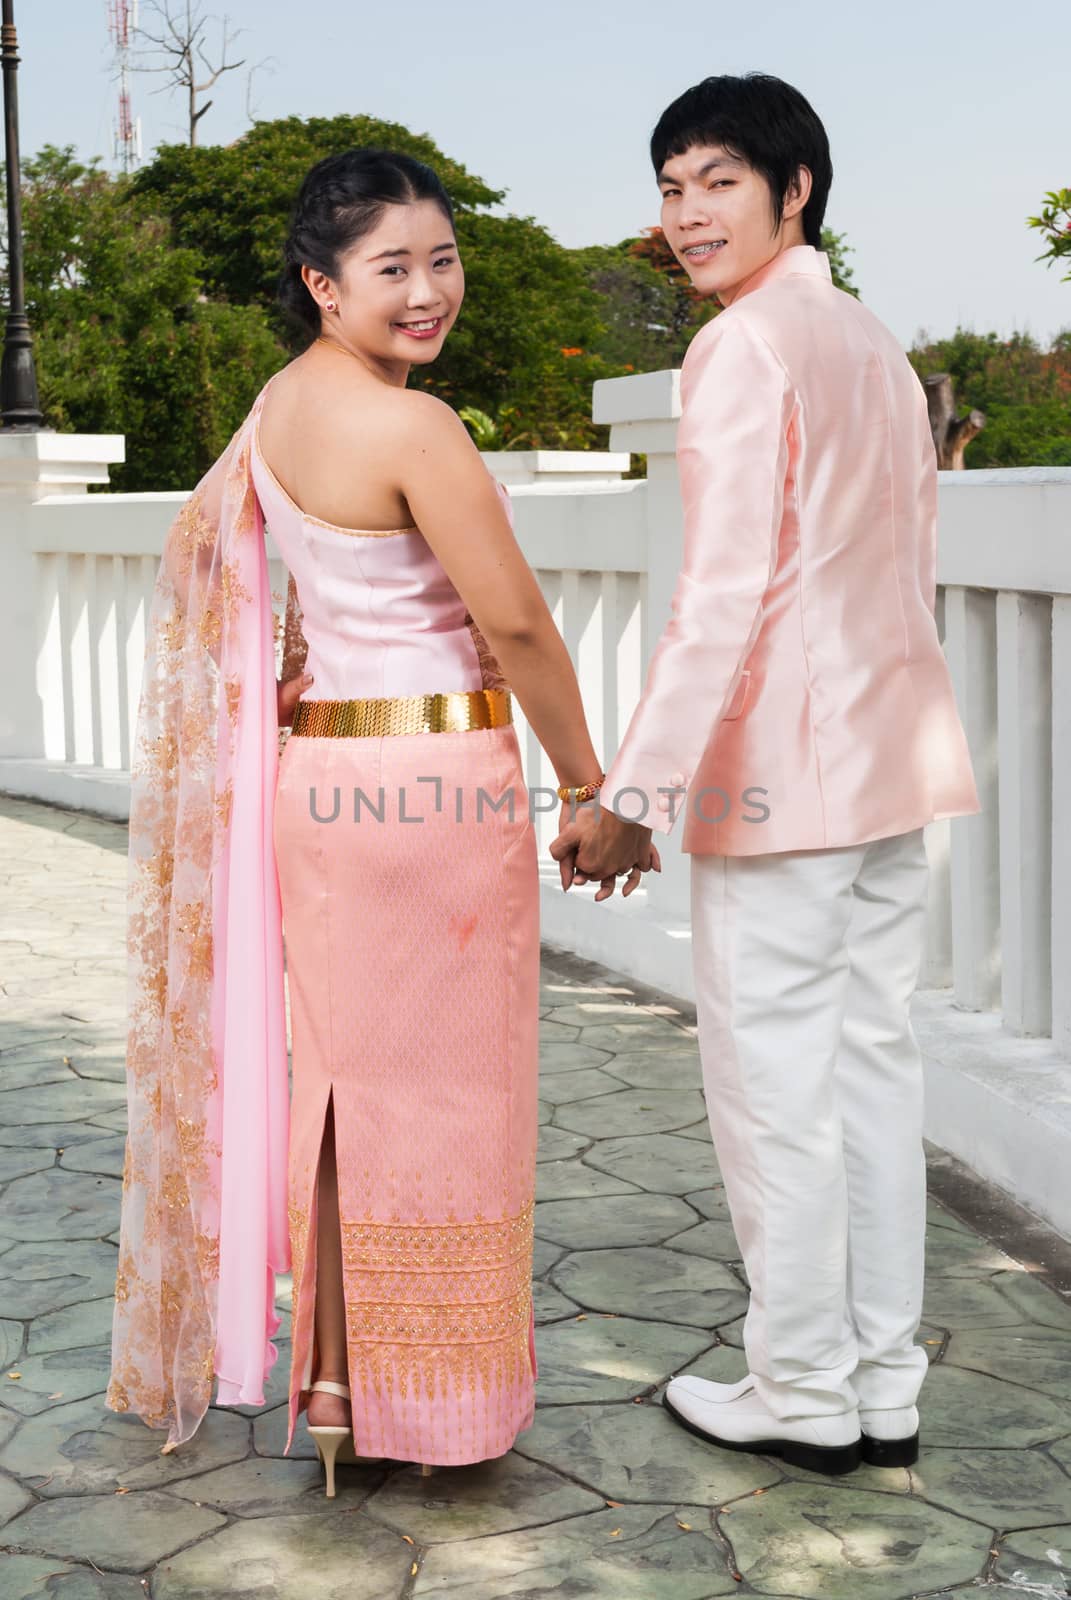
(203, 1227)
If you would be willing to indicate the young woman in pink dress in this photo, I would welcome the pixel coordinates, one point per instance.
(396, 840)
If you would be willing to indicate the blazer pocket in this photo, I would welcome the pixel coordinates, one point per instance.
(739, 699)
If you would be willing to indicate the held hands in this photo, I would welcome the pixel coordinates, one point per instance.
(594, 843)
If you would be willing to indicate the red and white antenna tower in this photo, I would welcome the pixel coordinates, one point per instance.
(122, 24)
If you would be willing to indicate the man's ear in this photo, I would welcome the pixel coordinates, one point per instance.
(797, 194)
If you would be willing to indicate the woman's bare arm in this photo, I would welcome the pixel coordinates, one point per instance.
(456, 505)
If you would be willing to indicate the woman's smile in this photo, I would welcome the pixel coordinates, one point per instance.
(426, 328)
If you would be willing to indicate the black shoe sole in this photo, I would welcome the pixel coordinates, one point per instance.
(890, 1452)
(832, 1462)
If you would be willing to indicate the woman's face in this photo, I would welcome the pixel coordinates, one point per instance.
(399, 288)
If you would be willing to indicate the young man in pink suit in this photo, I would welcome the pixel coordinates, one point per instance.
(801, 664)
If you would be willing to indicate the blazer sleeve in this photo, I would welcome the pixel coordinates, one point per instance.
(732, 455)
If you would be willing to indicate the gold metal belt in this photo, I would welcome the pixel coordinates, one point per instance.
(457, 712)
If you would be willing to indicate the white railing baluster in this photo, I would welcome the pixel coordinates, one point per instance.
(1024, 765)
(122, 638)
(140, 577)
(67, 609)
(588, 657)
(81, 652)
(971, 647)
(537, 768)
(105, 626)
(936, 971)
(51, 656)
(1061, 823)
(606, 732)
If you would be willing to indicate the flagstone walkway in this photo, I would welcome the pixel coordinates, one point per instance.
(638, 1277)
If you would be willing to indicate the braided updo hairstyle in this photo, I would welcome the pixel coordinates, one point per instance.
(341, 199)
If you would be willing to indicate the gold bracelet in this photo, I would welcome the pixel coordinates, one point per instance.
(578, 794)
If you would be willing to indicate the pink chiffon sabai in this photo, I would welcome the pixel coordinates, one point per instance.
(204, 1223)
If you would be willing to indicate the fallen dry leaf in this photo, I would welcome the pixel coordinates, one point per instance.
(934, 1341)
(583, 1317)
(615, 1533)
(14, 1374)
(687, 1526)
(121, 1490)
(57, 1396)
(617, 1504)
(414, 1569)
(407, 1539)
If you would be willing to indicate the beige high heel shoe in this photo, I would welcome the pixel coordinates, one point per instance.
(335, 1444)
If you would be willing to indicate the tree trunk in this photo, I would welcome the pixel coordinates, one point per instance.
(951, 434)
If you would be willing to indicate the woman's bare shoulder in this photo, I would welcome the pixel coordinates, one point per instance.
(417, 411)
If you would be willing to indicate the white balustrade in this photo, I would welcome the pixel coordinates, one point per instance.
(78, 571)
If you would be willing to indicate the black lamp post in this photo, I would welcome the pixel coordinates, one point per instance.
(19, 406)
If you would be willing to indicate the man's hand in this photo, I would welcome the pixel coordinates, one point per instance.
(598, 844)
(287, 696)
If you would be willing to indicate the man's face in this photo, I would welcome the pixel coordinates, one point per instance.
(717, 219)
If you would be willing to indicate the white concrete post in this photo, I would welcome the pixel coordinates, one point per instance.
(34, 466)
(643, 413)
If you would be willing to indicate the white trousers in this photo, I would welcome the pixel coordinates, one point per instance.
(805, 964)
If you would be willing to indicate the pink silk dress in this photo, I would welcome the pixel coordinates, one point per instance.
(411, 924)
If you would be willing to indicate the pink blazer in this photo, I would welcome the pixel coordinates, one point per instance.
(799, 693)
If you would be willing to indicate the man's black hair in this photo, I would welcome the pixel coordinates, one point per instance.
(764, 122)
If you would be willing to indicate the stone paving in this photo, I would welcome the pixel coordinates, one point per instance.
(638, 1277)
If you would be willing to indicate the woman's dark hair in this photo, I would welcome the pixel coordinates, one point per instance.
(766, 123)
(341, 199)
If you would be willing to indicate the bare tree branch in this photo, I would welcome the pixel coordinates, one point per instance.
(268, 65)
(182, 26)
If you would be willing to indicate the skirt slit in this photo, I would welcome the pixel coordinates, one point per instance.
(413, 967)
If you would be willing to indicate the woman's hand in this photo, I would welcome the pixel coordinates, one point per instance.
(287, 696)
(610, 848)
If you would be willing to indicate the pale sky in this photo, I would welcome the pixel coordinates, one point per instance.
(947, 124)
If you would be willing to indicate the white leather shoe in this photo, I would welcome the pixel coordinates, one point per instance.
(891, 1437)
(733, 1416)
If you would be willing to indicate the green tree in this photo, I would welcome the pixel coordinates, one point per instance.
(649, 310)
(124, 339)
(838, 250)
(1025, 392)
(1054, 224)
